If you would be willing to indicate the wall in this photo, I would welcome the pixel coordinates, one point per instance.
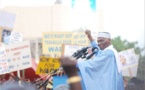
(32, 21)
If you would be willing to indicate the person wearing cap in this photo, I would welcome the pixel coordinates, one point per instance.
(103, 71)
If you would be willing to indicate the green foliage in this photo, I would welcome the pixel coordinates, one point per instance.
(121, 45)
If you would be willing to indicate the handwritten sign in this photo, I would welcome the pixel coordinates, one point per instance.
(16, 37)
(52, 41)
(47, 65)
(19, 55)
(4, 68)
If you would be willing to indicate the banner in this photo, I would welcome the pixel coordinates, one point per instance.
(19, 56)
(4, 68)
(52, 41)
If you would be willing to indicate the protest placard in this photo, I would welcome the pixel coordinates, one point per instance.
(19, 56)
(4, 67)
(129, 62)
(52, 41)
(15, 37)
(47, 65)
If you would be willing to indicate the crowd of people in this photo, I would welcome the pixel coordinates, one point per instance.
(102, 72)
(37, 84)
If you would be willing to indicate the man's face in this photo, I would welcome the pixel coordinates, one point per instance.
(103, 42)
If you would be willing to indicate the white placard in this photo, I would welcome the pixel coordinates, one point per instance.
(128, 58)
(132, 71)
(129, 62)
(7, 19)
(19, 55)
(69, 50)
(16, 37)
(4, 68)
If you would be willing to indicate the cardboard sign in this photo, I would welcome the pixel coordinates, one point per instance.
(47, 65)
(19, 56)
(52, 41)
(4, 68)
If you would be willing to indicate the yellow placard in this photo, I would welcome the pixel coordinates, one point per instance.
(47, 65)
(52, 41)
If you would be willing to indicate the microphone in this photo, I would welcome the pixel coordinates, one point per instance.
(75, 54)
(79, 53)
(94, 50)
(44, 84)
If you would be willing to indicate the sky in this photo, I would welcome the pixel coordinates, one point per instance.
(123, 18)
(127, 20)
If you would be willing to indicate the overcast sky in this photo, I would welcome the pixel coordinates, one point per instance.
(127, 20)
(123, 18)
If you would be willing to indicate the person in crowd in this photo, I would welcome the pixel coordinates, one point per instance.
(135, 84)
(13, 84)
(125, 82)
(123, 60)
(74, 80)
(103, 71)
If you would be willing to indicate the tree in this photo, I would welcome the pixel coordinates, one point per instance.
(121, 45)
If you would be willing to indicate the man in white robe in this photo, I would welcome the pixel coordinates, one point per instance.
(103, 71)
